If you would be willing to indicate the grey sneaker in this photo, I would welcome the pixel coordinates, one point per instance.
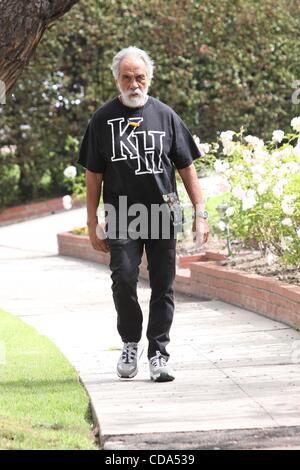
(127, 367)
(159, 370)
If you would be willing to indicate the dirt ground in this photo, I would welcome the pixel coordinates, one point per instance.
(255, 262)
(246, 260)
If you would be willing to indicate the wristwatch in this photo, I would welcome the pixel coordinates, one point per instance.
(201, 214)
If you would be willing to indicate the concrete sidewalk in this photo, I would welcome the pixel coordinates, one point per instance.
(237, 373)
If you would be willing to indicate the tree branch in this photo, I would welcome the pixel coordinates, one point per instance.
(22, 25)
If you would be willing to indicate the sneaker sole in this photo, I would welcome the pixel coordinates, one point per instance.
(162, 378)
(127, 376)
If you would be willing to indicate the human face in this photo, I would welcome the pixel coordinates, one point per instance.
(133, 82)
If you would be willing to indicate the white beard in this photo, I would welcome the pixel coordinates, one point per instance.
(134, 101)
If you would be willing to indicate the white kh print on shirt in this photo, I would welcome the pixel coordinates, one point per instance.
(128, 141)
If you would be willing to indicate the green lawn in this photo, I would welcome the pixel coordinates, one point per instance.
(42, 403)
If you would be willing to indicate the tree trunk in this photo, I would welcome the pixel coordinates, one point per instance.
(22, 25)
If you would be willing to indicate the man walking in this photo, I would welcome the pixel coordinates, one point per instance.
(133, 145)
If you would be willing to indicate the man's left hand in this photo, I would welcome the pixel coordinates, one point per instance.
(200, 231)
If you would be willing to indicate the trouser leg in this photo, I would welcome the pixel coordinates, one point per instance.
(125, 258)
(161, 256)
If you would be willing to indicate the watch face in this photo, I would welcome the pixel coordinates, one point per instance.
(202, 214)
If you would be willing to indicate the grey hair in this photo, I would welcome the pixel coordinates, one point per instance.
(136, 52)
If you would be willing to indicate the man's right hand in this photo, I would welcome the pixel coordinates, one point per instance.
(99, 244)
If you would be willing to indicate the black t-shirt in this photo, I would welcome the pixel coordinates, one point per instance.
(137, 150)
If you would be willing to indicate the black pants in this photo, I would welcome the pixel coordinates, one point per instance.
(125, 259)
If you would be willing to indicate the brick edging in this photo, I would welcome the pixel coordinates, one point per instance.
(33, 210)
(202, 276)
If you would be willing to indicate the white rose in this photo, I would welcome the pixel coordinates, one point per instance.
(230, 211)
(248, 202)
(251, 193)
(67, 202)
(278, 188)
(287, 204)
(228, 147)
(203, 148)
(277, 136)
(295, 123)
(221, 166)
(70, 171)
(288, 198)
(222, 226)
(254, 142)
(298, 232)
(262, 187)
(226, 135)
(268, 205)
(239, 192)
(287, 222)
(288, 210)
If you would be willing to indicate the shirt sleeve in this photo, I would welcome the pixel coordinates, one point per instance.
(90, 155)
(184, 149)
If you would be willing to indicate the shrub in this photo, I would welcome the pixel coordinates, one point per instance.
(264, 190)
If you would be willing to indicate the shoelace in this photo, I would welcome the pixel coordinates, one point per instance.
(129, 352)
(158, 360)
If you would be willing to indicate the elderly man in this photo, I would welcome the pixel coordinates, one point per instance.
(133, 145)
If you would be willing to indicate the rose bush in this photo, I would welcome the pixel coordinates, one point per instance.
(263, 180)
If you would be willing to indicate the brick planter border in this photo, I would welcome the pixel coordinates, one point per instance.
(79, 246)
(203, 276)
(33, 210)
